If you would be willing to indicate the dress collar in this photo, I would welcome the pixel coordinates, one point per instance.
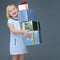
(15, 19)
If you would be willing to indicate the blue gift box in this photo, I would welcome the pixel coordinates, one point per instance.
(33, 40)
(26, 15)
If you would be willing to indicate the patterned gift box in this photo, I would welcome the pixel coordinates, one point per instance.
(30, 25)
(26, 15)
(23, 7)
(33, 40)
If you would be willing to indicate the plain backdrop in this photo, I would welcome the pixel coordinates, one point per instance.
(48, 13)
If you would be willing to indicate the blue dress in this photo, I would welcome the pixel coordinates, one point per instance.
(16, 42)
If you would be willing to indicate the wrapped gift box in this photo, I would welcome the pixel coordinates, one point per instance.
(30, 25)
(23, 6)
(33, 40)
(26, 15)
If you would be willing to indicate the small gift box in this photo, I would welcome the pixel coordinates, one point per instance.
(26, 15)
(23, 6)
(30, 25)
(33, 40)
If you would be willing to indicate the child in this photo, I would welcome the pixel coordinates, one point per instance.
(17, 47)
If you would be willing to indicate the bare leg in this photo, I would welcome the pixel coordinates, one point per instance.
(21, 57)
(14, 57)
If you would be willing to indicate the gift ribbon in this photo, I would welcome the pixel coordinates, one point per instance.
(33, 38)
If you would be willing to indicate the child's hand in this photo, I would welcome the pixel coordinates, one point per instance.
(27, 33)
(28, 30)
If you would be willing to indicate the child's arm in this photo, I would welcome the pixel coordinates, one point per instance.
(13, 30)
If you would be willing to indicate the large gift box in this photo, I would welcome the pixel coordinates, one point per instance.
(33, 40)
(26, 15)
(30, 25)
(34, 27)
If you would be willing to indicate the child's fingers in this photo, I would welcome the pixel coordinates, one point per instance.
(28, 30)
(28, 35)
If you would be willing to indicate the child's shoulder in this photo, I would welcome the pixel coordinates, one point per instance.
(10, 19)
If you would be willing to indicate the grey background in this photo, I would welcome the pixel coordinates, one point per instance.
(48, 13)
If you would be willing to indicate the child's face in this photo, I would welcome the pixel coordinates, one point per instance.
(13, 11)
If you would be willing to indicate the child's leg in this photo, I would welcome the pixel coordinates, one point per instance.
(14, 57)
(21, 57)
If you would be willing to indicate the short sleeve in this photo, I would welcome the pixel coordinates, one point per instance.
(9, 21)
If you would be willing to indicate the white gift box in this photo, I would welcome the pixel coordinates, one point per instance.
(22, 7)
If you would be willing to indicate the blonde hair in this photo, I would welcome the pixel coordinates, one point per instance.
(7, 11)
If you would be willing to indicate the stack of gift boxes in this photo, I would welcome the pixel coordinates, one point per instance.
(28, 21)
